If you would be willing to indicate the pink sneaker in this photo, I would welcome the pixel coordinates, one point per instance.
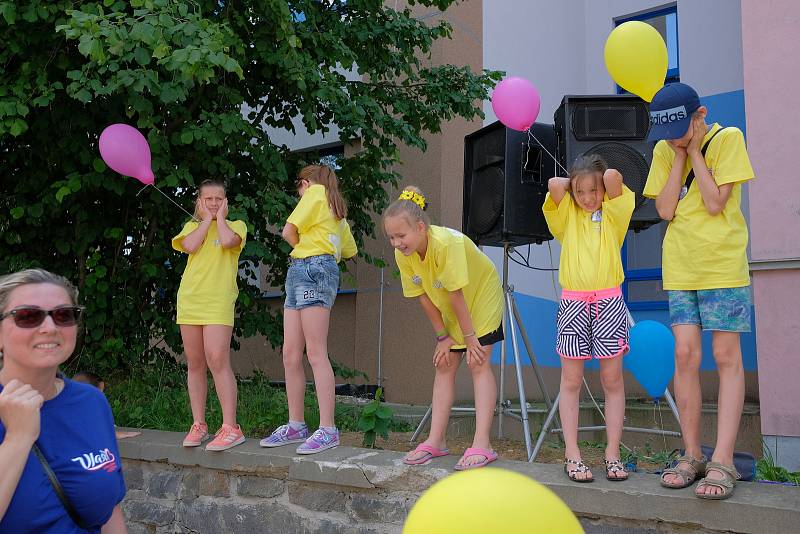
(196, 436)
(226, 437)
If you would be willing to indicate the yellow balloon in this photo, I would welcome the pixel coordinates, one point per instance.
(636, 58)
(489, 500)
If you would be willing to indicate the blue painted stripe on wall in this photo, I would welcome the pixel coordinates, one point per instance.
(539, 318)
(726, 109)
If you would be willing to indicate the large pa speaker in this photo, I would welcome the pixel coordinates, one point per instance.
(615, 127)
(505, 182)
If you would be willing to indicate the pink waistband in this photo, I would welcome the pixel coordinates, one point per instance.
(591, 296)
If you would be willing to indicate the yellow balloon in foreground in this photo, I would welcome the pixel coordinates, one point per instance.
(489, 501)
(636, 58)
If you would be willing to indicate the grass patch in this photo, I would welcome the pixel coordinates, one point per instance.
(767, 470)
(158, 400)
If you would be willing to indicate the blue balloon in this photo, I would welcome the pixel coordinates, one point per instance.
(652, 356)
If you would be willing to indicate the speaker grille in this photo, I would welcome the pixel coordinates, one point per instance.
(626, 160)
(486, 199)
(595, 121)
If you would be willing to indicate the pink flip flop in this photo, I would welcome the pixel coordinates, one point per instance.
(430, 454)
(489, 457)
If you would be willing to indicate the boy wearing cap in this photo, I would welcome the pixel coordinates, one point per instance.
(696, 179)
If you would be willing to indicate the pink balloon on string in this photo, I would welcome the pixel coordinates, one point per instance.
(516, 103)
(125, 150)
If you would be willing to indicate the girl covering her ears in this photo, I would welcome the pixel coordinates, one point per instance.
(320, 237)
(589, 213)
(460, 292)
(206, 299)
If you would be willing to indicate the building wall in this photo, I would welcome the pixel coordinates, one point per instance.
(559, 47)
(770, 47)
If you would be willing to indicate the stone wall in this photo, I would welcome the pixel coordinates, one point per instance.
(357, 491)
(166, 498)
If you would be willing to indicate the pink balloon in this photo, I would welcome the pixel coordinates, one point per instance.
(516, 103)
(125, 150)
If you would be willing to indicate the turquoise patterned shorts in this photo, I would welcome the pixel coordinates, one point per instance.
(724, 310)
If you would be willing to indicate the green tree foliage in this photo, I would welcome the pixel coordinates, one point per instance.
(200, 80)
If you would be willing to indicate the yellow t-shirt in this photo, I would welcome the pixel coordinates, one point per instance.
(590, 258)
(320, 232)
(453, 262)
(208, 289)
(702, 251)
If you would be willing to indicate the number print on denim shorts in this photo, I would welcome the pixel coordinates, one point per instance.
(309, 294)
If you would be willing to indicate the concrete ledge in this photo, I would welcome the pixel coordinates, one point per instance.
(367, 479)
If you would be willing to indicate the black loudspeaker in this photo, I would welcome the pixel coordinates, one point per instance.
(505, 182)
(615, 127)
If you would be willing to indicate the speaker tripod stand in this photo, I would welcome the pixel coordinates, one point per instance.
(511, 323)
(554, 410)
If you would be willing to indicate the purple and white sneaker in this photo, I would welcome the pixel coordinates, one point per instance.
(321, 440)
(284, 435)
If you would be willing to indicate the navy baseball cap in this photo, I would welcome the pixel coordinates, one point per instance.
(671, 111)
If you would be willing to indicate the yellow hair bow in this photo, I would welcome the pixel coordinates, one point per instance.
(414, 197)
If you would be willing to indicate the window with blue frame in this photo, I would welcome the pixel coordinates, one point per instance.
(665, 20)
(641, 253)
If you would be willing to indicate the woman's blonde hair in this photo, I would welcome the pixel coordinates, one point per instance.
(10, 282)
(411, 204)
(206, 183)
(324, 175)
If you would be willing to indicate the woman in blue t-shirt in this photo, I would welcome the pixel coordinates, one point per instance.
(71, 423)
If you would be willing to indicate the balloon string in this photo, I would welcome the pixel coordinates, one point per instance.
(530, 135)
(168, 198)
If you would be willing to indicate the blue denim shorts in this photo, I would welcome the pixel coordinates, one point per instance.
(722, 310)
(312, 281)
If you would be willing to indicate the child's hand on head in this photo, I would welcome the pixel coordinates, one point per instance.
(612, 174)
(222, 212)
(677, 146)
(698, 133)
(205, 213)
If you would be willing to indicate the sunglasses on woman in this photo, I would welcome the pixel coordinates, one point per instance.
(33, 317)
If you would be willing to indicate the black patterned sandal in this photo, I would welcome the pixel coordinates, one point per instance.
(615, 468)
(580, 467)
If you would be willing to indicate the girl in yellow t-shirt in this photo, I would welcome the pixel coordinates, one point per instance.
(460, 292)
(206, 298)
(318, 231)
(589, 213)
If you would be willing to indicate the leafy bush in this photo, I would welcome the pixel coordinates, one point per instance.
(375, 420)
(211, 85)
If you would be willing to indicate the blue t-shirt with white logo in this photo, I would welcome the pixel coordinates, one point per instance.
(77, 438)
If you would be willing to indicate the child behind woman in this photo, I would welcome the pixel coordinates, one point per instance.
(460, 292)
(206, 300)
(320, 236)
(589, 214)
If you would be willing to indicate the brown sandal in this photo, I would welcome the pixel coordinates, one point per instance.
(688, 474)
(726, 483)
(615, 467)
(580, 467)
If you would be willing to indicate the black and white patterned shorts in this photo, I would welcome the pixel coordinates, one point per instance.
(592, 324)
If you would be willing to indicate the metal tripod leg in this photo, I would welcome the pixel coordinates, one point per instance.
(523, 404)
(545, 427)
(531, 357)
(421, 426)
(552, 414)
